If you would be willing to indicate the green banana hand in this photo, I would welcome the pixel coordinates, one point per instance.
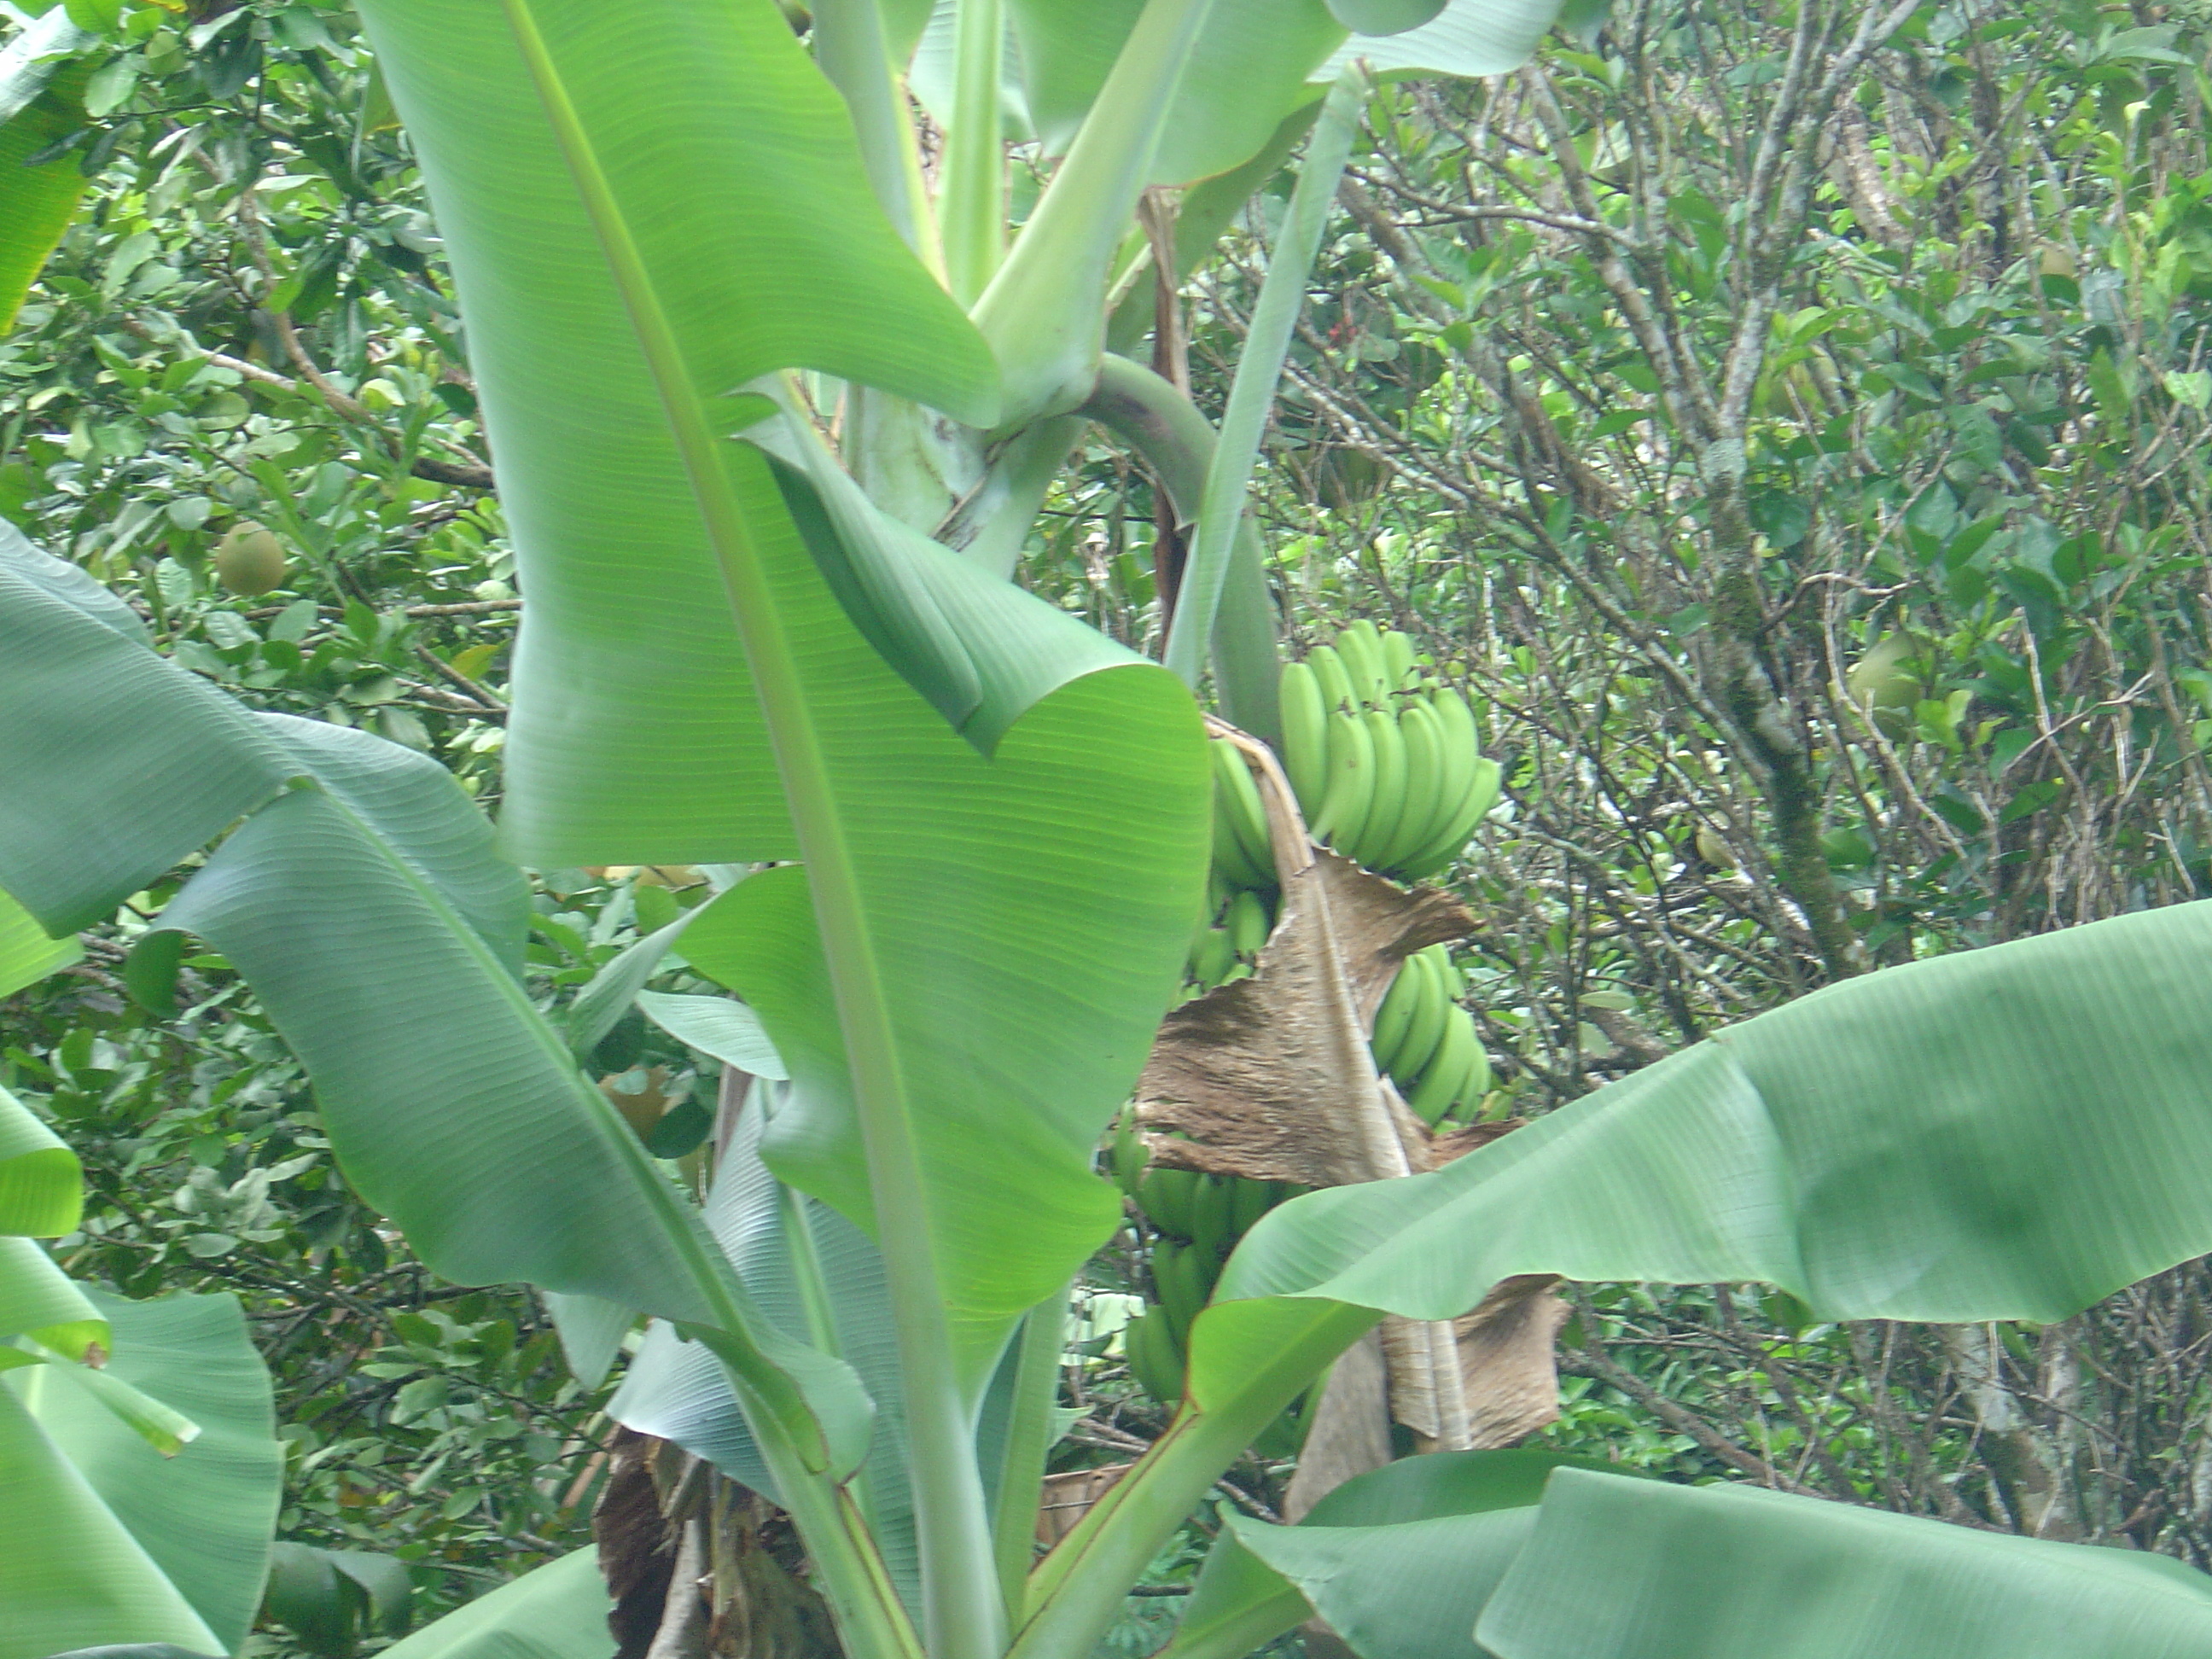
(1425, 1030)
(1449, 1073)
(1481, 796)
(1248, 816)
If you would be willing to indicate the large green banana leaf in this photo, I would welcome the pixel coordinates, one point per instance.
(1025, 912)
(2005, 1133)
(104, 1539)
(361, 896)
(1605, 1568)
(1256, 61)
(204, 1514)
(557, 1611)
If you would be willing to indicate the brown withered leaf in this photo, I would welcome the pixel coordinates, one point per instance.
(1270, 1077)
(1505, 1354)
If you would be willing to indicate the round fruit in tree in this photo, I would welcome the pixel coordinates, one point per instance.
(249, 560)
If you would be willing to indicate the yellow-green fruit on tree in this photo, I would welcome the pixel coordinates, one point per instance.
(249, 560)
(1884, 683)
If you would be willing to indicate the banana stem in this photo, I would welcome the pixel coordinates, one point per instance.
(1043, 312)
(1028, 1439)
(1252, 392)
(1178, 443)
(973, 218)
(850, 49)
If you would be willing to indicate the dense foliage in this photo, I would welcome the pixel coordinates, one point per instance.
(1815, 517)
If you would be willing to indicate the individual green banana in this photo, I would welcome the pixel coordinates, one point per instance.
(1249, 1201)
(1249, 924)
(1386, 819)
(1394, 1014)
(1330, 675)
(1424, 1032)
(1180, 1281)
(1448, 1074)
(1125, 1156)
(1351, 794)
(1398, 661)
(1148, 1342)
(1211, 954)
(1305, 735)
(1164, 1195)
(1467, 1099)
(1213, 1223)
(1423, 737)
(1459, 746)
(1248, 817)
(1481, 796)
(1361, 647)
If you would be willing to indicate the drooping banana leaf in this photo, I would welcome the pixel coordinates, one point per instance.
(26, 954)
(1468, 38)
(361, 896)
(203, 1514)
(1642, 1569)
(2004, 1133)
(1255, 61)
(72, 1576)
(1443, 1528)
(1530, 1556)
(106, 1539)
(41, 1183)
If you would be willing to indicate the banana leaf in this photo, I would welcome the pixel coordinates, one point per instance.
(41, 100)
(204, 1513)
(104, 1540)
(361, 896)
(1529, 1555)
(26, 954)
(817, 1278)
(559, 1611)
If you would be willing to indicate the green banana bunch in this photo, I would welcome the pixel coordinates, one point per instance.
(1426, 1043)
(1386, 762)
(1229, 941)
(1155, 1355)
(1196, 1221)
(1243, 852)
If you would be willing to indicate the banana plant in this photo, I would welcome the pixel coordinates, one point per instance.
(770, 404)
